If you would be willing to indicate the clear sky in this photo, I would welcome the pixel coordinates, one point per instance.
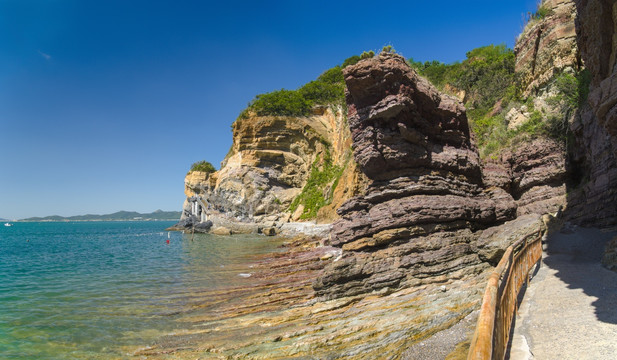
(104, 105)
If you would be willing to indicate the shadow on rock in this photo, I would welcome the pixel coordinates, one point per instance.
(575, 253)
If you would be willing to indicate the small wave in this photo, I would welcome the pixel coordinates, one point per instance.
(244, 275)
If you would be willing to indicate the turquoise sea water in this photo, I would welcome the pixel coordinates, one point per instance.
(100, 290)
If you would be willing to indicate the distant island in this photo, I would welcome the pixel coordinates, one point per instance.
(157, 215)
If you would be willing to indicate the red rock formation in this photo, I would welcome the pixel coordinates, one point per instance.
(415, 222)
(538, 176)
(593, 203)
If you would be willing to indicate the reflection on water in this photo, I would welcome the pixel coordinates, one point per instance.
(95, 290)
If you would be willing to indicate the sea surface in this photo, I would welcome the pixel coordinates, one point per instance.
(102, 290)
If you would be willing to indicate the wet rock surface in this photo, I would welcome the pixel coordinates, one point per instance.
(277, 316)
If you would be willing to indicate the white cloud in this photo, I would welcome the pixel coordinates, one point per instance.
(45, 56)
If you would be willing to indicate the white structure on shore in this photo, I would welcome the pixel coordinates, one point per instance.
(199, 209)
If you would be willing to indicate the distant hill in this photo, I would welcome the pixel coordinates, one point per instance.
(117, 216)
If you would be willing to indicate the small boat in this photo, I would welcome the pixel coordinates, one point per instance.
(8, 224)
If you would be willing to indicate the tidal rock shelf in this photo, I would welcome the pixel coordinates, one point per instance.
(277, 316)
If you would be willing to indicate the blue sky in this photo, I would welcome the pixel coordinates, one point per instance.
(104, 105)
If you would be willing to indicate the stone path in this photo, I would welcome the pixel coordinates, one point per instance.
(570, 308)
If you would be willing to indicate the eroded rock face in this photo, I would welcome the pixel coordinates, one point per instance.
(267, 166)
(538, 176)
(494, 241)
(609, 259)
(593, 202)
(597, 34)
(415, 224)
(547, 46)
(534, 174)
(273, 314)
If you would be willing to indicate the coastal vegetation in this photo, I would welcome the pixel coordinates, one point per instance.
(541, 13)
(490, 88)
(486, 81)
(319, 187)
(486, 75)
(327, 89)
(202, 166)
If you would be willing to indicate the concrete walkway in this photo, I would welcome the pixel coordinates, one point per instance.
(570, 308)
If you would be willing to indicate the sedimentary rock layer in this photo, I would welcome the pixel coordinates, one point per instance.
(416, 222)
(538, 176)
(593, 201)
(275, 315)
(547, 46)
(268, 165)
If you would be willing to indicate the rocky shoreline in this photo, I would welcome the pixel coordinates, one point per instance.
(414, 219)
(278, 315)
(408, 257)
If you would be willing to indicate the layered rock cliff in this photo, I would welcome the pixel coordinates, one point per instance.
(418, 221)
(547, 46)
(536, 168)
(538, 176)
(593, 202)
(422, 234)
(271, 160)
(421, 219)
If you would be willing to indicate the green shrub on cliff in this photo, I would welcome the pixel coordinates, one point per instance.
(571, 93)
(319, 187)
(202, 166)
(486, 76)
(492, 88)
(489, 82)
(353, 60)
(541, 13)
(435, 71)
(367, 55)
(280, 102)
(328, 88)
(388, 49)
(572, 89)
(584, 80)
(533, 18)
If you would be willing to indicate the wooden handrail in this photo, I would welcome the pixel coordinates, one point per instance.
(499, 304)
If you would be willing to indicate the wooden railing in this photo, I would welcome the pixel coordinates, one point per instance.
(499, 304)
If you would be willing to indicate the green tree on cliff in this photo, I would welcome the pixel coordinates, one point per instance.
(202, 166)
(328, 88)
(486, 75)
